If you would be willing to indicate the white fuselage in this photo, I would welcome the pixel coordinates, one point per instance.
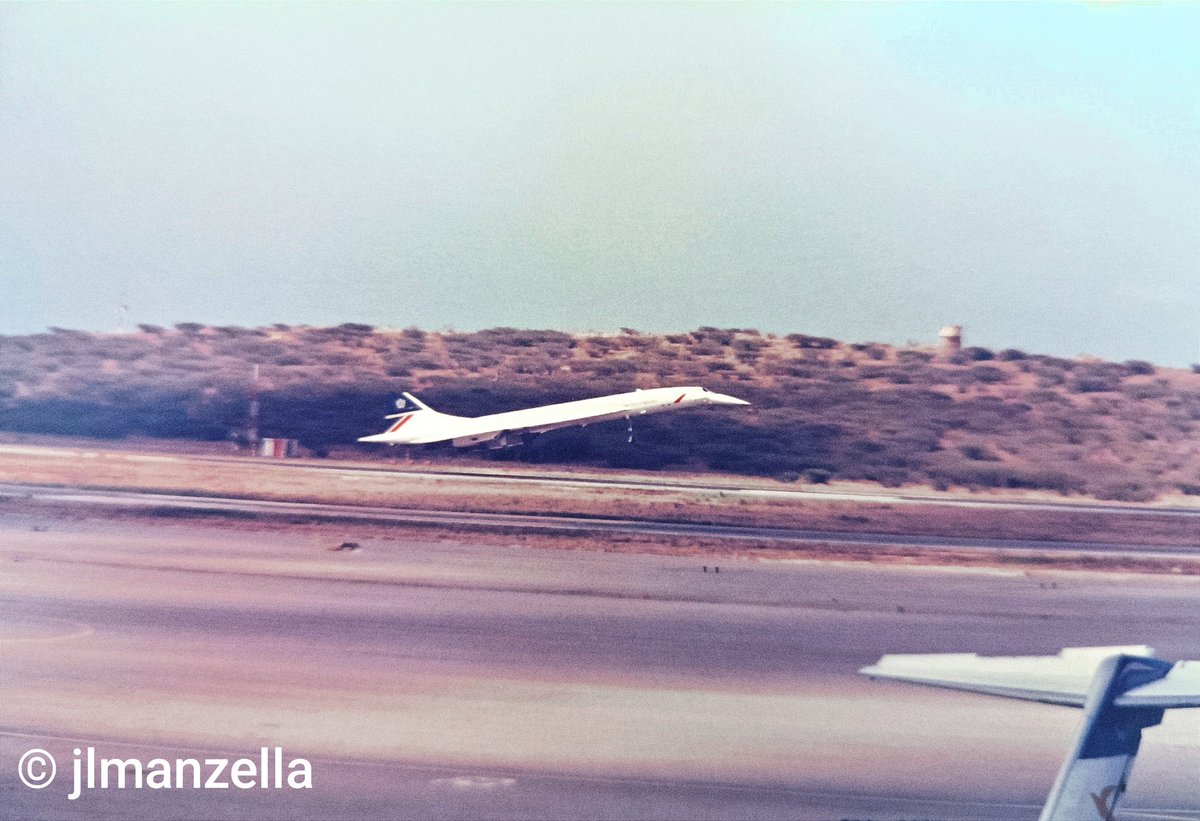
(425, 426)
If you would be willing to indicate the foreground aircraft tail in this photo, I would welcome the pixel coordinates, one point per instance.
(1122, 690)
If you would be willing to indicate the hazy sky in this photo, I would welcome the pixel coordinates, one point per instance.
(856, 170)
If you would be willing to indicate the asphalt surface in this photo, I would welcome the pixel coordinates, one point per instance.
(700, 486)
(555, 523)
(440, 679)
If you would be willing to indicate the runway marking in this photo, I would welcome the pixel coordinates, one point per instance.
(53, 454)
(82, 632)
(473, 782)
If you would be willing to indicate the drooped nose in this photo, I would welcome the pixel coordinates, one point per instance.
(725, 399)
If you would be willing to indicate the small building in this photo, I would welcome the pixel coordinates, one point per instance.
(951, 336)
(275, 448)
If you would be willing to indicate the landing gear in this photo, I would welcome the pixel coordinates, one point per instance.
(506, 440)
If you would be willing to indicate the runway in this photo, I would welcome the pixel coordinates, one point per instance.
(558, 523)
(749, 488)
(441, 679)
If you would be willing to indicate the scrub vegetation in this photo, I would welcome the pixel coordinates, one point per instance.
(823, 409)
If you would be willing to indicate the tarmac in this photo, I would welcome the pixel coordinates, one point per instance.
(445, 679)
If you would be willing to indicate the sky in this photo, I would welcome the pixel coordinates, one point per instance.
(857, 170)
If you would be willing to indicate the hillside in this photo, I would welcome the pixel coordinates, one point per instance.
(822, 408)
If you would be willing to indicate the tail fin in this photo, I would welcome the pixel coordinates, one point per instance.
(1096, 772)
(1122, 690)
(407, 403)
(407, 408)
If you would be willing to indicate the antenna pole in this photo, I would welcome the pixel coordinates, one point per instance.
(252, 430)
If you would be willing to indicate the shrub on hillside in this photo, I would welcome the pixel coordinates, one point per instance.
(1125, 492)
(796, 368)
(813, 342)
(992, 475)
(988, 374)
(749, 344)
(717, 336)
(1150, 390)
(1094, 384)
(610, 367)
(874, 372)
(977, 453)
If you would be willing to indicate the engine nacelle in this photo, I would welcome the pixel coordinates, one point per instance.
(494, 441)
(468, 441)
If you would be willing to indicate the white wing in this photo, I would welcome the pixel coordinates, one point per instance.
(1062, 679)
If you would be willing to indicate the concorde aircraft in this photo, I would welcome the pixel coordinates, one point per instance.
(418, 424)
(1122, 690)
